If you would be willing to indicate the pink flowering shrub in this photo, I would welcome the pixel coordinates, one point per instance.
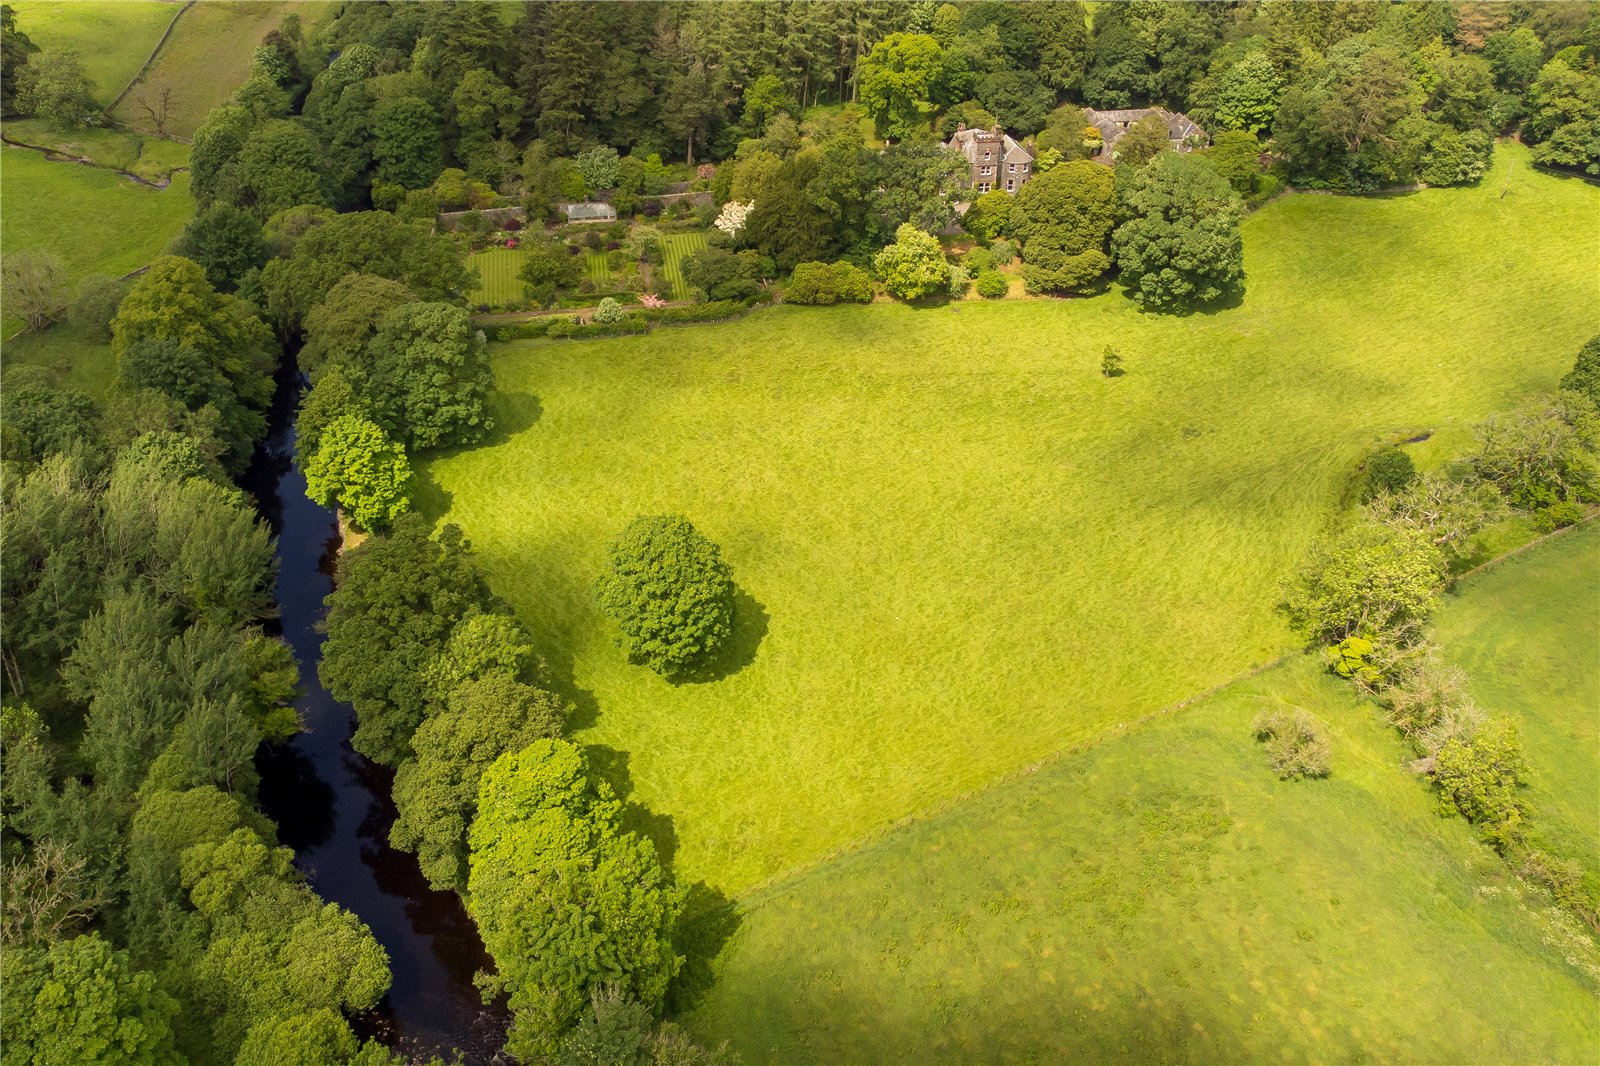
(650, 299)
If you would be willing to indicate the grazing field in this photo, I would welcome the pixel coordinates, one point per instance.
(208, 57)
(98, 222)
(498, 283)
(147, 157)
(674, 248)
(1527, 632)
(961, 549)
(1163, 897)
(112, 38)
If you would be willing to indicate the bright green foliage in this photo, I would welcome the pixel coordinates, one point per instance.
(989, 214)
(609, 310)
(397, 600)
(914, 265)
(332, 397)
(1584, 377)
(1297, 745)
(358, 469)
(80, 1002)
(1564, 116)
(1351, 658)
(992, 284)
(344, 323)
(176, 333)
(1248, 94)
(1182, 249)
(34, 287)
(566, 902)
(481, 645)
(666, 587)
(1365, 578)
(1143, 141)
(320, 1036)
(427, 376)
(371, 242)
(598, 167)
(1481, 776)
(1389, 470)
(278, 168)
(898, 80)
(54, 87)
(1063, 218)
(485, 108)
(437, 791)
(826, 283)
(1543, 454)
(1514, 56)
(226, 242)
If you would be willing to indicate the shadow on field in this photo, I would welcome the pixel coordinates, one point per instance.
(513, 412)
(749, 630)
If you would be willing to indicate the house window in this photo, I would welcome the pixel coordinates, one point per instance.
(987, 156)
(983, 186)
(1010, 185)
(986, 170)
(1011, 168)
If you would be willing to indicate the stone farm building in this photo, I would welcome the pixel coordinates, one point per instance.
(996, 160)
(1182, 132)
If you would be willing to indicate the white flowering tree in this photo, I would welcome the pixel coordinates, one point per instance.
(733, 217)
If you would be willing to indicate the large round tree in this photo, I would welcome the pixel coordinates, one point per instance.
(668, 590)
(1183, 248)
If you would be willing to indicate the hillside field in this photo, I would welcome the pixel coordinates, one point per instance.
(960, 549)
(1163, 897)
(1527, 632)
(112, 38)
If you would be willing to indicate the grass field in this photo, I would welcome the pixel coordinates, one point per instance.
(1162, 897)
(112, 38)
(498, 283)
(148, 157)
(208, 56)
(674, 248)
(85, 360)
(1528, 634)
(961, 549)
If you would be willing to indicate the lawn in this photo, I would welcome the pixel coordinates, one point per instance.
(113, 39)
(675, 247)
(498, 284)
(597, 268)
(959, 548)
(1527, 632)
(208, 56)
(1163, 897)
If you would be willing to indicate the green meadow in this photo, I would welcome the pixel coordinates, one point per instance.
(1527, 632)
(1163, 897)
(961, 550)
(112, 38)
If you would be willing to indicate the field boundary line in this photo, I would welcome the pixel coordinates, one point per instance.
(780, 880)
(128, 88)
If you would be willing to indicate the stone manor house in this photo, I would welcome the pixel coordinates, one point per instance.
(998, 161)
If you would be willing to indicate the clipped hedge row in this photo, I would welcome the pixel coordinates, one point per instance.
(633, 323)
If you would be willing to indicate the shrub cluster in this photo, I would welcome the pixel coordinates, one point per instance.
(826, 283)
(1297, 745)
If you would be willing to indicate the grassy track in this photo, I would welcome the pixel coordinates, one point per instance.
(960, 548)
(498, 283)
(208, 56)
(674, 247)
(1528, 634)
(113, 39)
(1162, 897)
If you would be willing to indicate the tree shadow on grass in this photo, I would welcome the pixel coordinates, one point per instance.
(739, 650)
(513, 412)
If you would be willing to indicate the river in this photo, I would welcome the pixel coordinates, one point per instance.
(333, 807)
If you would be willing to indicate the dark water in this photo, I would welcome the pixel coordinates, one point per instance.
(333, 806)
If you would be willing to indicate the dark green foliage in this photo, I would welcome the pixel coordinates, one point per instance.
(1182, 249)
(1063, 218)
(1019, 101)
(279, 167)
(666, 587)
(15, 48)
(226, 242)
(397, 600)
(1558, 515)
(406, 142)
(437, 791)
(1144, 140)
(565, 901)
(43, 416)
(1111, 363)
(1388, 470)
(1584, 377)
(370, 242)
(547, 266)
(1481, 775)
(725, 275)
(426, 376)
(991, 284)
(53, 86)
(1297, 744)
(338, 329)
(95, 304)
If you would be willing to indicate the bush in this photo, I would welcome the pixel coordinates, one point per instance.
(992, 285)
(669, 591)
(1297, 747)
(960, 278)
(1544, 454)
(1481, 777)
(96, 303)
(1388, 470)
(1584, 377)
(1366, 577)
(609, 311)
(978, 260)
(1003, 251)
(574, 330)
(811, 283)
(914, 265)
(1558, 515)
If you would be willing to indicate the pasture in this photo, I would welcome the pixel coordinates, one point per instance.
(960, 549)
(1527, 632)
(112, 38)
(208, 56)
(150, 158)
(1163, 897)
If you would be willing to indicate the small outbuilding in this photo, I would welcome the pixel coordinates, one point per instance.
(589, 211)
